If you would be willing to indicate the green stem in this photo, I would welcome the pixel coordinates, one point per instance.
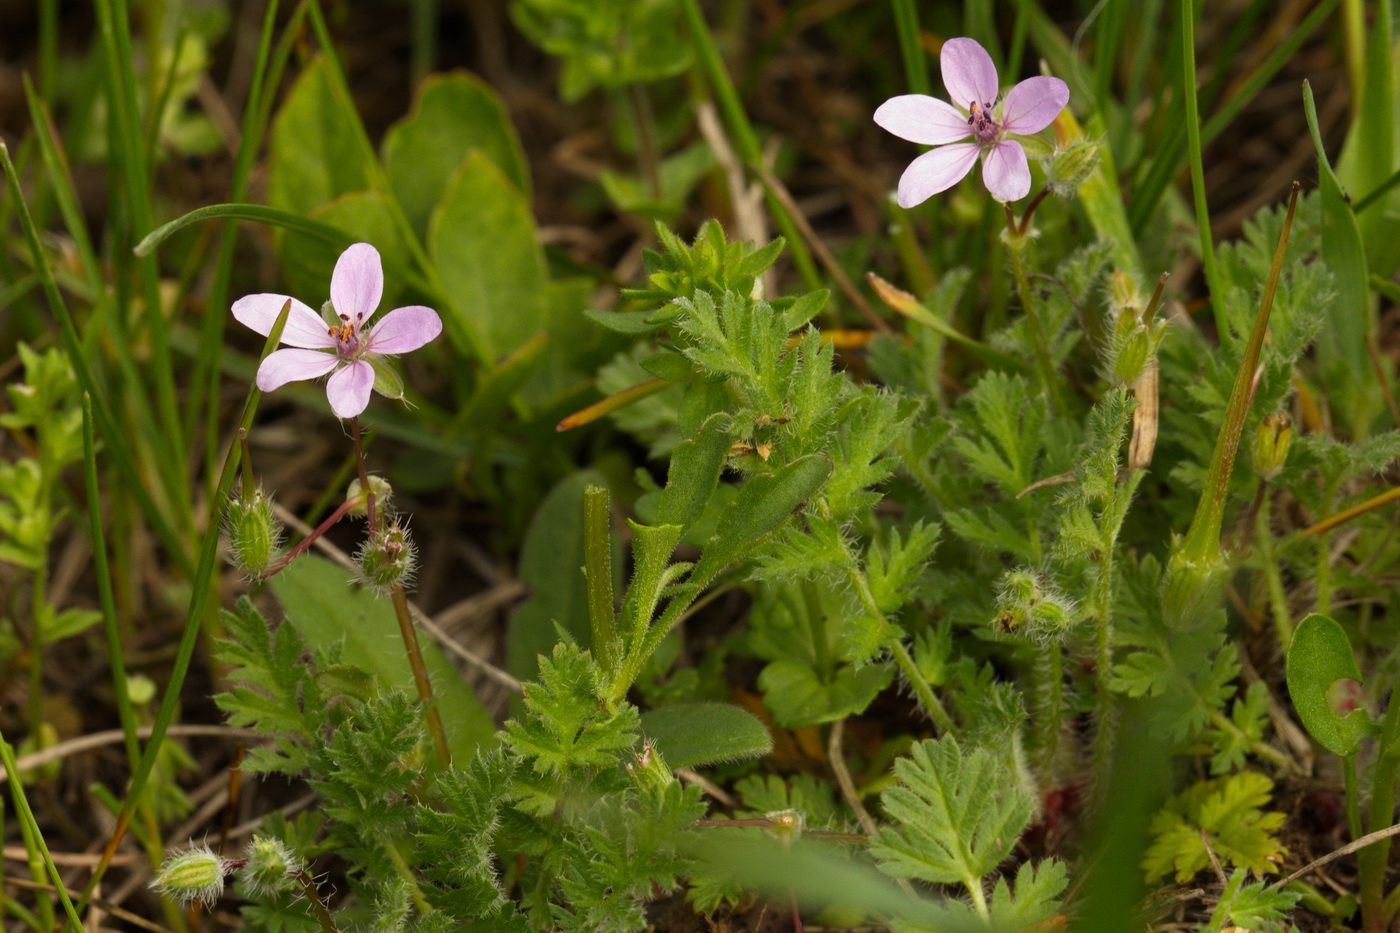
(1353, 793)
(816, 627)
(420, 675)
(318, 907)
(1262, 749)
(744, 136)
(1371, 862)
(31, 827)
(1016, 242)
(1198, 181)
(911, 51)
(597, 567)
(1273, 579)
(1047, 679)
(646, 137)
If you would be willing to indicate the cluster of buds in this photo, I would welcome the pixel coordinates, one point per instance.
(1134, 335)
(1028, 606)
(254, 533)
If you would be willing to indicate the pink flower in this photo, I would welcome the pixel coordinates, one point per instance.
(346, 346)
(971, 80)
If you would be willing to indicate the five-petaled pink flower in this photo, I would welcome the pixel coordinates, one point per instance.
(344, 342)
(971, 79)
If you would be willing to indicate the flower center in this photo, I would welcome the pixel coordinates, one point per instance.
(980, 119)
(347, 334)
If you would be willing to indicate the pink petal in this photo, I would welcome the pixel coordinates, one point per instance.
(404, 329)
(968, 73)
(1032, 105)
(348, 390)
(357, 282)
(923, 119)
(934, 171)
(284, 366)
(304, 327)
(1006, 173)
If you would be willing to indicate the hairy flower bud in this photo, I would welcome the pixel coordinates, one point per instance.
(1070, 166)
(383, 494)
(254, 534)
(1271, 442)
(648, 769)
(1028, 606)
(270, 866)
(387, 559)
(195, 875)
(1133, 339)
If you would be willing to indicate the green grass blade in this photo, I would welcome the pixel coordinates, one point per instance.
(31, 825)
(72, 345)
(104, 588)
(200, 592)
(1198, 171)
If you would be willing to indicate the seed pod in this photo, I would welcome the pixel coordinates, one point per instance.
(254, 534)
(196, 875)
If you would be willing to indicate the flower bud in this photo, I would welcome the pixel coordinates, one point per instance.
(270, 866)
(1271, 442)
(383, 494)
(254, 534)
(1070, 166)
(387, 559)
(1133, 340)
(196, 875)
(1028, 606)
(787, 825)
(649, 769)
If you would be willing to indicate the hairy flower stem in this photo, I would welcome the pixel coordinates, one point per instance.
(364, 477)
(1371, 862)
(420, 675)
(1278, 598)
(1105, 700)
(922, 688)
(1016, 241)
(310, 539)
(1048, 692)
(318, 906)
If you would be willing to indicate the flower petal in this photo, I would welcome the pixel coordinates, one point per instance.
(1006, 173)
(1032, 105)
(357, 283)
(934, 171)
(404, 329)
(348, 390)
(284, 366)
(923, 119)
(304, 327)
(968, 73)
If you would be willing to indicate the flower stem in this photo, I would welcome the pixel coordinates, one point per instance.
(245, 463)
(1278, 599)
(420, 675)
(310, 539)
(1371, 862)
(1016, 240)
(365, 487)
(318, 907)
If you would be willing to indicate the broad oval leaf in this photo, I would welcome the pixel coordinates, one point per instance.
(482, 240)
(1318, 656)
(690, 734)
